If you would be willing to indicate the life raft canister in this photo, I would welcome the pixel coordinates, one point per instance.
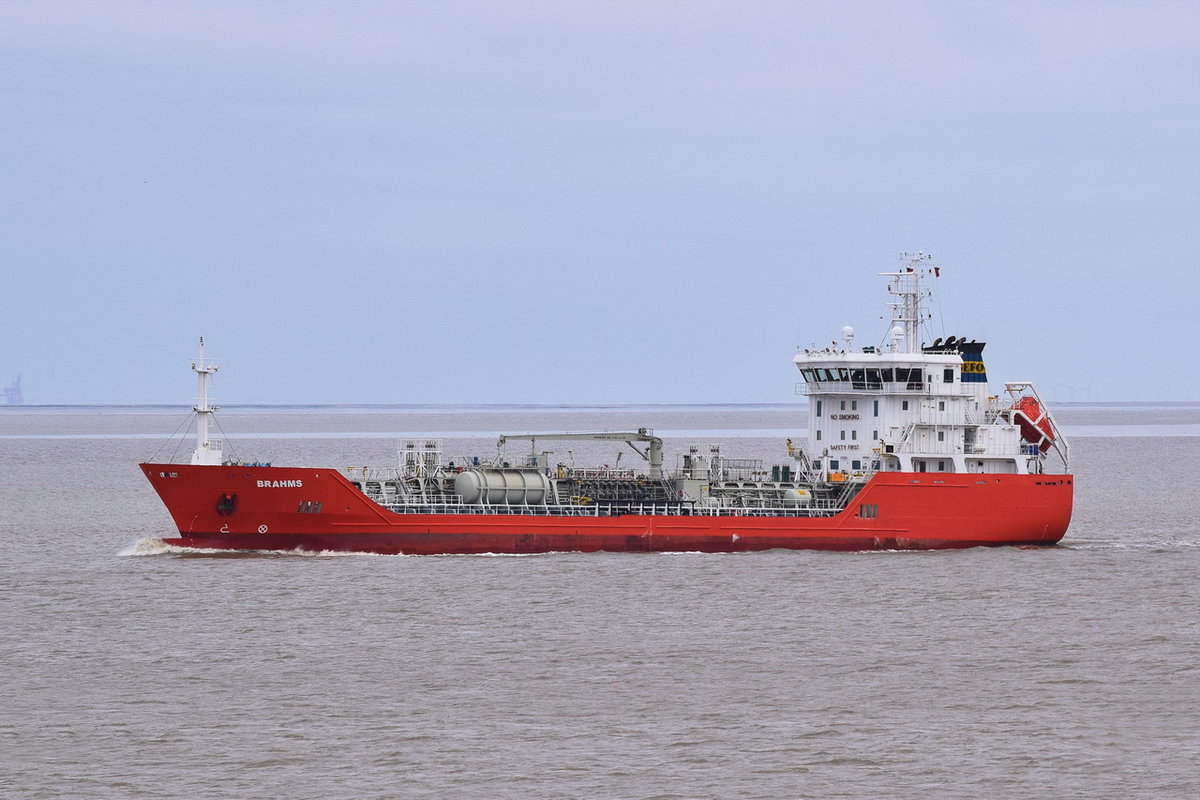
(1034, 424)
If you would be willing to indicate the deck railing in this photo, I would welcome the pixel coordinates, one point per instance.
(630, 509)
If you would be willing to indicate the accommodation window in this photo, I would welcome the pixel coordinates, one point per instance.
(834, 464)
(818, 436)
(843, 405)
(941, 436)
(856, 464)
(941, 405)
(948, 375)
(854, 436)
(854, 405)
(818, 408)
(904, 405)
(843, 436)
(876, 408)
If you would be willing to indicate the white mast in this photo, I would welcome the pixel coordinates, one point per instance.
(906, 311)
(205, 452)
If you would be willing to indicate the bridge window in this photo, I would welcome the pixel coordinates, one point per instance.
(912, 378)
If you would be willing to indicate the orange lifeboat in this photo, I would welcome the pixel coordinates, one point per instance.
(1034, 424)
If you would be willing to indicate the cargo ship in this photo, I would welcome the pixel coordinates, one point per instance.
(906, 449)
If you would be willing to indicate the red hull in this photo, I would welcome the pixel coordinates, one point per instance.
(272, 510)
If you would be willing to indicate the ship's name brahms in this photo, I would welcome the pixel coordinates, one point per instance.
(281, 484)
(844, 416)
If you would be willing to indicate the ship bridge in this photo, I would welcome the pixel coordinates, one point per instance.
(868, 371)
(907, 406)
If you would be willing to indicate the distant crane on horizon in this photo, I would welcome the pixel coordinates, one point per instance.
(12, 394)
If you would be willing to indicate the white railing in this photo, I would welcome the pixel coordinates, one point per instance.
(894, 387)
(821, 509)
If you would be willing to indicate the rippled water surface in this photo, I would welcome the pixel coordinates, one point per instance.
(131, 670)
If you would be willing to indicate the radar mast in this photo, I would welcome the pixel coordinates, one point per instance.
(907, 314)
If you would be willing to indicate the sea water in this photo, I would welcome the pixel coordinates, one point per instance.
(132, 670)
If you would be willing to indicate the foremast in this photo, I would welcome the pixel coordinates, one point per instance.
(206, 452)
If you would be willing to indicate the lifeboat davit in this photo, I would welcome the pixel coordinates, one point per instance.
(1034, 424)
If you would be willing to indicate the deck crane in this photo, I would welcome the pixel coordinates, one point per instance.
(652, 454)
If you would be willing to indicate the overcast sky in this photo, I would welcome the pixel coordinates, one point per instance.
(589, 202)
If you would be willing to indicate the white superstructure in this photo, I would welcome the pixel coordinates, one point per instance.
(905, 407)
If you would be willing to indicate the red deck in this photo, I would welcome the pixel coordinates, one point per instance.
(916, 511)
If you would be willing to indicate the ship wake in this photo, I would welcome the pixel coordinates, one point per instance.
(153, 546)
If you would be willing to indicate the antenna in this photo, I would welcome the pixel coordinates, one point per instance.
(905, 285)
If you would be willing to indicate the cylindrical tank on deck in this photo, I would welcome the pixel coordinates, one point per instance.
(796, 497)
(502, 486)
